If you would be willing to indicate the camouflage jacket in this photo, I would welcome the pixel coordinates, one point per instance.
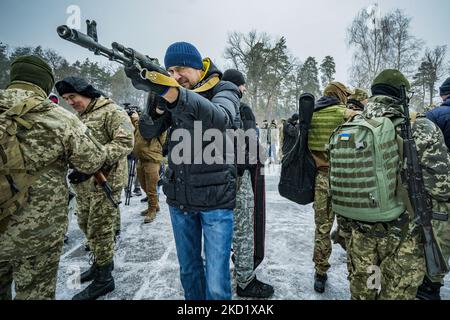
(57, 138)
(111, 126)
(432, 151)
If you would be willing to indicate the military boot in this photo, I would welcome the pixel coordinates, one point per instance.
(319, 282)
(89, 274)
(151, 215)
(429, 290)
(255, 289)
(103, 283)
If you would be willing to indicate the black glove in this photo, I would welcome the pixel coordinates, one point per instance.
(143, 84)
(76, 177)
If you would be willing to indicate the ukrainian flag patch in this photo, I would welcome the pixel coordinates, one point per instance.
(345, 137)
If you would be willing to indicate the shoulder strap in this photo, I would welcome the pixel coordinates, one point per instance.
(17, 111)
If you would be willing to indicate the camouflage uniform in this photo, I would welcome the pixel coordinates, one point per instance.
(32, 238)
(323, 218)
(330, 112)
(442, 233)
(243, 246)
(97, 217)
(395, 247)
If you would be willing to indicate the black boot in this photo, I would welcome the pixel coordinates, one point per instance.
(429, 290)
(89, 274)
(103, 283)
(319, 282)
(256, 289)
(144, 199)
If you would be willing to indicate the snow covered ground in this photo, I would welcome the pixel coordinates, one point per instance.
(146, 266)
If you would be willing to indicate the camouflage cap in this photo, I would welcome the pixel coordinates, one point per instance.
(34, 70)
(359, 95)
(338, 90)
(336, 84)
(393, 78)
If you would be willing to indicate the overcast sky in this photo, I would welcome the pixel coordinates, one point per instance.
(312, 28)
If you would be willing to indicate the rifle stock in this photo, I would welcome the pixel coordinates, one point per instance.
(101, 180)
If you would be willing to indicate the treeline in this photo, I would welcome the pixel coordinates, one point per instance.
(108, 78)
(275, 78)
(385, 41)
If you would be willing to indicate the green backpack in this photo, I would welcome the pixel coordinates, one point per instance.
(365, 169)
(14, 178)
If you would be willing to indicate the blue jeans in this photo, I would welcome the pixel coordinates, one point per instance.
(212, 280)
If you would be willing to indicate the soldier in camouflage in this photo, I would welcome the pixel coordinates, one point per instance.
(358, 100)
(97, 217)
(32, 237)
(243, 228)
(330, 112)
(393, 250)
(431, 286)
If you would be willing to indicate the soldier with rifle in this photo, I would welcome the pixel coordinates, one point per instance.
(392, 242)
(98, 211)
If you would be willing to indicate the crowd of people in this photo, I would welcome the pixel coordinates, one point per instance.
(213, 206)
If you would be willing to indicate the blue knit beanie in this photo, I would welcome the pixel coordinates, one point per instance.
(183, 54)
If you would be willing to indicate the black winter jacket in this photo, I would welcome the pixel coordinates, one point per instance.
(197, 185)
(441, 117)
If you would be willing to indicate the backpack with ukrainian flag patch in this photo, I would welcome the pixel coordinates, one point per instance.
(365, 163)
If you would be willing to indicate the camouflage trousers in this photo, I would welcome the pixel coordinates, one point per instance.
(343, 231)
(324, 218)
(148, 175)
(97, 218)
(34, 277)
(381, 265)
(442, 233)
(243, 231)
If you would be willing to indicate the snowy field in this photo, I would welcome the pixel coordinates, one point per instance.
(146, 266)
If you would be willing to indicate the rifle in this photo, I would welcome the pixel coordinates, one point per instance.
(131, 170)
(118, 52)
(131, 109)
(420, 200)
(101, 180)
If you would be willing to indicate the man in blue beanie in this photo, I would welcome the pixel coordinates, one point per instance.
(441, 115)
(201, 194)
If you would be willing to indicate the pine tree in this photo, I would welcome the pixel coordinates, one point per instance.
(327, 70)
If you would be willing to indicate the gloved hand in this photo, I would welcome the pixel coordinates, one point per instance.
(76, 177)
(139, 82)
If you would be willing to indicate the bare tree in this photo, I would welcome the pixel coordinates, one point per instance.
(265, 62)
(405, 48)
(432, 68)
(369, 36)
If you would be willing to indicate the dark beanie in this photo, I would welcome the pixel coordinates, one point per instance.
(34, 70)
(77, 85)
(183, 54)
(234, 76)
(295, 117)
(445, 88)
